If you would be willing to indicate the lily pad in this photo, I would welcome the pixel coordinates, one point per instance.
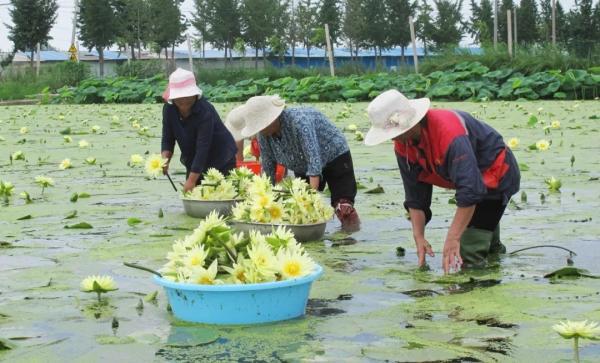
(189, 336)
(80, 225)
(570, 272)
(133, 221)
(377, 190)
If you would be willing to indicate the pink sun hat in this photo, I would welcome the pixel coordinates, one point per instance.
(182, 83)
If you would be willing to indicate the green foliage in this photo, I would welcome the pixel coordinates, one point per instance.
(140, 69)
(167, 24)
(466, 81)
(98, 27)
(447, 27)
(32, 21)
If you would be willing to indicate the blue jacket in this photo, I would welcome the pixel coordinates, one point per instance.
(456, 151)
(203, 139)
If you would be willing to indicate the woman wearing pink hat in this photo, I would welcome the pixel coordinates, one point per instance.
(191, 121)
(450, 149)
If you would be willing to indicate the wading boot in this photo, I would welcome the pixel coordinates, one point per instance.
(496, 246)
(475, 247)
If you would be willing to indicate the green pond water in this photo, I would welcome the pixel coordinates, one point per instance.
(370, 305)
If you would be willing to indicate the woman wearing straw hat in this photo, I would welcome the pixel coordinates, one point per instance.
(303, 140)
(235, 123)
(449, 149)
(192, 122)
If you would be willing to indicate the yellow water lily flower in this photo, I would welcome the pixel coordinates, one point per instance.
(44, 181)
(195, 257)
(555, 124)
(262, 257)
(154, 165)
(238, 270)
(23, 130)
(136, 160)
(248, 152)
(204, 276)
(513, 142)
(103, 284)
(83, 144)
(276, 212)
(351, 127)
(577, 329)
(18, 155)
(542, 145)
(67, 139)
(293, 264)
(65, 164)
(90, 160)
(95, 128)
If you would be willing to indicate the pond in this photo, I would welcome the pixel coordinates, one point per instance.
(372, 304)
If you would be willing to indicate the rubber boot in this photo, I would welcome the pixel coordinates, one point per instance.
(497, 247)
(347, 215)
(475, 247)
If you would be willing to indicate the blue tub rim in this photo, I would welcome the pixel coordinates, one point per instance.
(241, 287)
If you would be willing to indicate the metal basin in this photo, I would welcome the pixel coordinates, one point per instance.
(202, 208)
(303, 232)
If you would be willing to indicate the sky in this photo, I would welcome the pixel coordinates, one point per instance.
(61, 32)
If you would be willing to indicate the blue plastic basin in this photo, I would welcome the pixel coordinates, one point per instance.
(239, 304)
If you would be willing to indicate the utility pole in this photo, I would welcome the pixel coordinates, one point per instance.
(515, 28)
(495, 23)
(189, 45)
(329, 51)
(509, 30)
(553, 22)
(73, 49)
(414, 43)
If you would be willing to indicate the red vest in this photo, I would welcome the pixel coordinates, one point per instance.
(442, 127)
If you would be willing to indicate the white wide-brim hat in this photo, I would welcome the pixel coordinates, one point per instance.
(392, 114)
(182, 83)
(260, 112)
(235, 122)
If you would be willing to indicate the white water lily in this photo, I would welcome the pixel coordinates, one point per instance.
(542, 145)
(90, 160)
(18, 155)
(154, 165)
(294, 264)
(95, 128)
(204, 276)
(513, 142)
(136, 160)
(98, 284)
(23, 130)
(83, 144)
(67, 139)
(65, 164)
(576, 330)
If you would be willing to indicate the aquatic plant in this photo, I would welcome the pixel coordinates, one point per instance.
(98, 284)
(576, 330)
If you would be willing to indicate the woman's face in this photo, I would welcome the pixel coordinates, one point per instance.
(413, 134)
(271, 129)
(184, 104)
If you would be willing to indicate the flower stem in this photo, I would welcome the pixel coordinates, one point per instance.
(99, 300)
(576, 348)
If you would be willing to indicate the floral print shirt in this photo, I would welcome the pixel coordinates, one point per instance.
(306, 143)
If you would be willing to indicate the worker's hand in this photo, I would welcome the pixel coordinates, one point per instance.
(189, 185)
(451, 256)
(165, 168)
(314, 182)
(423, 248)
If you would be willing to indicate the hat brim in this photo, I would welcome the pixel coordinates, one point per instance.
(377, 135)
(269, 115)
(235, 132)
(184, 92)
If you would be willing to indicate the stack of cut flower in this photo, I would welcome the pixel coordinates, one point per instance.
(212, 254)
(293, 202)
(215, 186)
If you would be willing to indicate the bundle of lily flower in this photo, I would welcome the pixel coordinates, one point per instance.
(292, 202)
(215, 186)
(213, 254)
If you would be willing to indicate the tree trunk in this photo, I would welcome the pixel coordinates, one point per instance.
(403, 60)
(132, 51)
(256, 58)
(308, 55)
(167, 61)
(173, 61)
(293, 55)
(264, 57)
(31, 60)
(101, 61)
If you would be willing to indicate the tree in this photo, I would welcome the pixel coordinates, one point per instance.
(32, 21)
(354, 25)
(447, 25)
(306, 18)
(282, 35)
(200, 22)
(527, 20)
(424, 26)
(378, 29)
(545, 28)
(481, 24)
(258, 19)
(97, 27)
(582, 37)
(167, 27)
(133, 20)
(398, 13)
(505, 5)
(224, 24)
(330, 13)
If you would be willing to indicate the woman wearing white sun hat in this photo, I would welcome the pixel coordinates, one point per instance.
(303, 140)
(449, 149)
(191, 121)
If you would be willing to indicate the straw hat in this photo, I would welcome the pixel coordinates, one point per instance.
(182, 83)
(392, 114)
(260, 112)
(235, 122)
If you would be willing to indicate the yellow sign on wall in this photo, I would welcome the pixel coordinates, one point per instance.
(73, 51)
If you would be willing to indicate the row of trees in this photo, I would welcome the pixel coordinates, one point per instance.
(281, 24)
